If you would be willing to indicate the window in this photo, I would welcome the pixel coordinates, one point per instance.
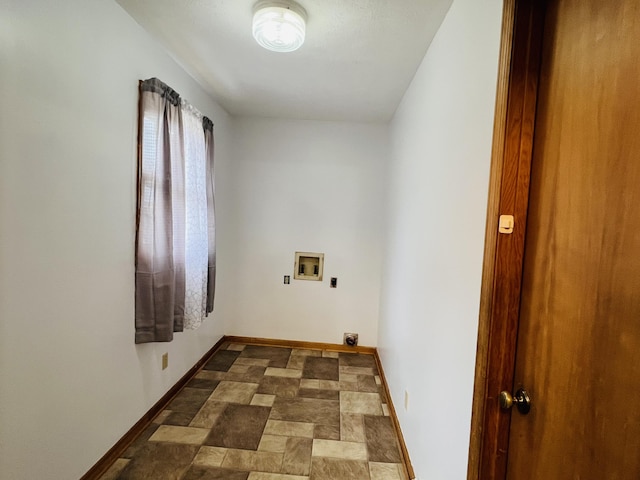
(175, 222)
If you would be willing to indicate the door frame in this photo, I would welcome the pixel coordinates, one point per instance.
(517, 89)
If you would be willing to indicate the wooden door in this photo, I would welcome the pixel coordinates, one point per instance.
(578, 347)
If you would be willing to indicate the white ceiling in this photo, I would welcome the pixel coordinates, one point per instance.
(358, 58)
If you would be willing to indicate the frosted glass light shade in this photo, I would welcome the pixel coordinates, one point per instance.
(278, 27)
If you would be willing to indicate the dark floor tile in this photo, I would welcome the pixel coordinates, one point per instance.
(239, 426)
(254, 374)
(322, 368)
(140, 442)
(210, 473)
(316, 393)
(189, 400)
(383, 395)
(279, 357)
(203, 383)
(280, 386)
(308, 410)
(367, 383)
(333, 469)
(381, 440)
(297, 456)
(159, 461)
(357, 360)
(327, 432)
(180, 419)
(222, 360)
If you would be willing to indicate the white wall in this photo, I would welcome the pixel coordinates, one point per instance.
(72, 382)
(439, 169)
(307, 186)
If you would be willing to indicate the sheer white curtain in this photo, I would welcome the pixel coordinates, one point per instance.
(196, 240)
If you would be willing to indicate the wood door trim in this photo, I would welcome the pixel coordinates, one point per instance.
(491, 233)
(519, 66)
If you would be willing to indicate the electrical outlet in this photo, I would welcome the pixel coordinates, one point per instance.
(406, 400)
(165, 360)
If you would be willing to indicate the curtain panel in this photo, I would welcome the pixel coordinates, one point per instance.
(211, 212)
(173, 239)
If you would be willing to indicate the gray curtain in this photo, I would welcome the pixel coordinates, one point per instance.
(211, 219)
(160, 241)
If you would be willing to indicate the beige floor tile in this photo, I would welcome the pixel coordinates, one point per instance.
(210, 456)
(234, 392)
(289, 429)
(267, 462)
(329, 385)
(263, 399)
(296, 362)
(337, 449)
(188, 435)
(349, 386)
(348, 377)
(274, 476)
(326, 354)
(253, 362)
(208, 414)
(273, 443)
(239, 368)
(309, 383)
(357, 370)
(359, 402)
(385, 471)
(297, 456)
(351, 427)
(162, 416)
(239, 459)
(282, 372)
(115, 469)
(251, 460)
(236, 347)
(306, 352)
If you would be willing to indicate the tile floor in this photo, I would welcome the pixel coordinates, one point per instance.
(271, 413)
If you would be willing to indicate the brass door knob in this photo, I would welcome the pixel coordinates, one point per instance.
(521, 400)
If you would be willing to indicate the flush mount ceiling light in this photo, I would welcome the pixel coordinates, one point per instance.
(279, 26)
